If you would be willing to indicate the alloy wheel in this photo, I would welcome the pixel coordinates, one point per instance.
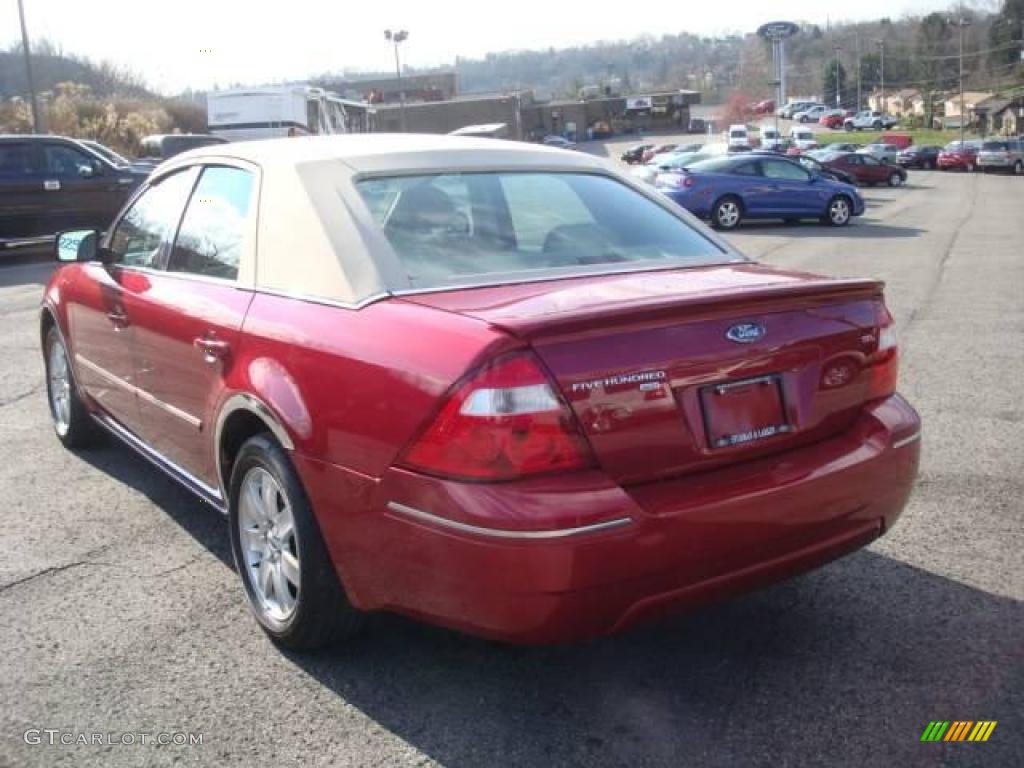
(269, 543)
(1018, 168)
(839, 211)
(59, 386)
(728, 214)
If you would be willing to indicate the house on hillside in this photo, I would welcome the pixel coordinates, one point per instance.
(900, 102)
(919, 103)
(972, 100)
(1001, 116)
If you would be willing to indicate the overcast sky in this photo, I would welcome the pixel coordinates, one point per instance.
(176, 44)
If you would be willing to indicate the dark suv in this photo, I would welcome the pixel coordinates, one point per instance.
(51, 183)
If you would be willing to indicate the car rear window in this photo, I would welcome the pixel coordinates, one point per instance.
(994, 146)
(478, 228)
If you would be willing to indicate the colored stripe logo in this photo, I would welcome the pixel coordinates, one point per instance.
(958, 730)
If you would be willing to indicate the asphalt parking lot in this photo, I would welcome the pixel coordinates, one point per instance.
(120, 611)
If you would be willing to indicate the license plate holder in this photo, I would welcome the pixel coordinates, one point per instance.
(744, 411)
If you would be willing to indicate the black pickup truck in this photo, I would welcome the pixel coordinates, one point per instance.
(52, 183)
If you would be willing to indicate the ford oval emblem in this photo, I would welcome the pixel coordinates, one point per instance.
(744, 333)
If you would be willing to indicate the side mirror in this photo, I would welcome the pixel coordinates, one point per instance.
(86, 171)
(77, 245)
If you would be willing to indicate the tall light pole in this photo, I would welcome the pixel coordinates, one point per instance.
(396, 37)
(857, 105)
(881, 73)
(961, 23)
(838, 87)
(28, 70)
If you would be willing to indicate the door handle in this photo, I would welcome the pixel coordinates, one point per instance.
(118, 318)
(212, 349)
(51, 185)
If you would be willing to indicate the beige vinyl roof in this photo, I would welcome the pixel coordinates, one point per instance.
(314, 237)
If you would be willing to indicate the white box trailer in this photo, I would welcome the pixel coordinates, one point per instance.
(267, 112)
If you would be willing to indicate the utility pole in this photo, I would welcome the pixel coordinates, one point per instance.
(396, 37)
(28, 70)
(838, 84)
(961, 23)
(859, 102)
(881, 74)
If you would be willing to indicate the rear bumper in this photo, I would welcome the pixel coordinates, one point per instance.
(631, 554)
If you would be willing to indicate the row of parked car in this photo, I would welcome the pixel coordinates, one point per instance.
(847, 119)
(53, 183)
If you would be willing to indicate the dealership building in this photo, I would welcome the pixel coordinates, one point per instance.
(434, 105)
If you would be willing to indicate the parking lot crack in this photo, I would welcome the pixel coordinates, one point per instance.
(18, 398)
(940, 269)
(42, 573)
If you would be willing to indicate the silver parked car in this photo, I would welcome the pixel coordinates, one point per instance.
(1001, 155)
(885, 153)
(667, 163)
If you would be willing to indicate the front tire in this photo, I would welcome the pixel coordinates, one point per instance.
(1018, 168)
(727, 213)
(288, 576)
(71, 421)
(895, 180)
(839, 211)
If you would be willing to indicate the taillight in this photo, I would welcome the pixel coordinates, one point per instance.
(504, 422)
(883, 364)
(676, 180)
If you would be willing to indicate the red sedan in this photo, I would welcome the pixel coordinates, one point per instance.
(494, 386)
(831, 120)
(959, 156)
(866, 169)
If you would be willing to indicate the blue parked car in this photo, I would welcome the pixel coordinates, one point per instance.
(729, 189)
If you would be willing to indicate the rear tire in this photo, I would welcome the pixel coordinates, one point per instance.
(71, 420)
(287, 573)
(839, 211)
(1018, 168)
(727, 213)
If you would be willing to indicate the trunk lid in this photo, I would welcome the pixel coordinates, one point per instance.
(682, 370)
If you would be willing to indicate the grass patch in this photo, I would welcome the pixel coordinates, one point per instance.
(921, 136)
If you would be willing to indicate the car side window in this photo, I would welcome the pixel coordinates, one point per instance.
(747, 169)
(212, 232)
(143, 231)
(869, 160)
(17, 161)
(854, 159)
(779, 169)
(61, 162)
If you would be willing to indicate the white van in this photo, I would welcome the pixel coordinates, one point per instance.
(737, 136)
(803, 138)
(770, 138)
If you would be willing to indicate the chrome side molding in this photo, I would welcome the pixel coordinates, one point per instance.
(500, 533)
(192, 483)
(188, 418)
(907, 440)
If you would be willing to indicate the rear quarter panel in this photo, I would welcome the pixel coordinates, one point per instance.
(352, 387)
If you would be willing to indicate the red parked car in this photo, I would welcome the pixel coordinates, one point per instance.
(766, 107)
(833, 120)
(866, 169)
(491, 385)
(959, 157)
(658, 149)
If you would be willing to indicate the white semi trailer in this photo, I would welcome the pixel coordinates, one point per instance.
(267, 112)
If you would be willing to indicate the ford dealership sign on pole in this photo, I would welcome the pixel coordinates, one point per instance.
(777, 32)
